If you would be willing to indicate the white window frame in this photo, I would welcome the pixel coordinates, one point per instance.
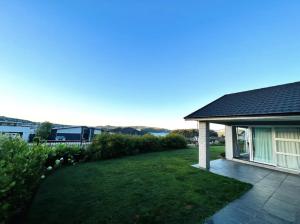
(274, 139)
(250, 144)
(286, 140)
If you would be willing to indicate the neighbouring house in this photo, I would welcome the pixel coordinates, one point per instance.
(14, 129)
(74, 133)
(262, 127)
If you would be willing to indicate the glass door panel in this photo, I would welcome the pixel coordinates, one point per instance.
(288, 147)
(242, 143)
(262, 145)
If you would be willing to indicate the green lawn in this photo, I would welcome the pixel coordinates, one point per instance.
(157, 187)
(215, 152)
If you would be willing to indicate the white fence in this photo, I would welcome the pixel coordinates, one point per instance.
(71, 143)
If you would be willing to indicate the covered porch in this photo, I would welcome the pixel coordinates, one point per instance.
(270, 119)
(270, 142)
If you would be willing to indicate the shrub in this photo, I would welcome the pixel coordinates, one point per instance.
(106, 146)
(22, 166)
(65, 153)
(36, 140)
(20, 171)
(174, 141)
(150, 143)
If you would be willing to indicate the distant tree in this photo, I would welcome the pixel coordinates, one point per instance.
(44, 130)
(190, 133)
(213, 133)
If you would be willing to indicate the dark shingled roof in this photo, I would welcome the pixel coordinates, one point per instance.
(275, 100)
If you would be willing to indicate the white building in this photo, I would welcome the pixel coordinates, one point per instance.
(13, 130)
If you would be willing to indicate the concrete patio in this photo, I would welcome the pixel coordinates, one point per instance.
(274, 198)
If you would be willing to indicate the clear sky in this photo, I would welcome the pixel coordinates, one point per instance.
(140, 62)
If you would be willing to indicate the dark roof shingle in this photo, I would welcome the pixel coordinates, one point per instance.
(275, 100)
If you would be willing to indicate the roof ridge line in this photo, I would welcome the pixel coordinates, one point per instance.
(268, 87)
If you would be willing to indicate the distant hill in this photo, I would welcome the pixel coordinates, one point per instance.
(151, 129)
(23, 122)
(17, 120)
(134, 130)
(125, 130)
(139, 130)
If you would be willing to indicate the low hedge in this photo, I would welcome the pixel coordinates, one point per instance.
(23, 166)
(20, 170)
(107, 146)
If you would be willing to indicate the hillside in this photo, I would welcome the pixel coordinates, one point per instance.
(144, 129)
(139, 130)
(17, 120)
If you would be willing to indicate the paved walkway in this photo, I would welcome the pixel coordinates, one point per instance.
(274, 198)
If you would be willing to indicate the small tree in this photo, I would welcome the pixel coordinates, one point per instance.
(213, 133)
(44, 130)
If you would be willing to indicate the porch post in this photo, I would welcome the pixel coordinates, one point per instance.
(204, 155)
(229, 142)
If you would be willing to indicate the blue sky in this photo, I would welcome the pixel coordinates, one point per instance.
(140, 62)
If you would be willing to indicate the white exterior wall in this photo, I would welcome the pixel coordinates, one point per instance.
(204, 154)
(76, 130)
(26, 131)
(229, 142)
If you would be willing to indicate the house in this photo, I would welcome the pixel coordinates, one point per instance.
(14, 129)
(74, 133)
(270, 119)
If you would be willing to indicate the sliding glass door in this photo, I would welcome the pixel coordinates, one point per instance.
(262, 145)
(288, 147)
(279, 146)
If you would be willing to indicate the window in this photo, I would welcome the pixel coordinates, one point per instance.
(287, 142)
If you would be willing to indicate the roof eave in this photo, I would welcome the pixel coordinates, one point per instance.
(248, 117)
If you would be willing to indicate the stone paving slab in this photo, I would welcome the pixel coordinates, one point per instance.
(274, 198)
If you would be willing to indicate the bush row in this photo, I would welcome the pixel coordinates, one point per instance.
(20, 169)
(22, 166)
(108, 146)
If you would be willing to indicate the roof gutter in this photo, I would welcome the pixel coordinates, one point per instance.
(284, 118)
